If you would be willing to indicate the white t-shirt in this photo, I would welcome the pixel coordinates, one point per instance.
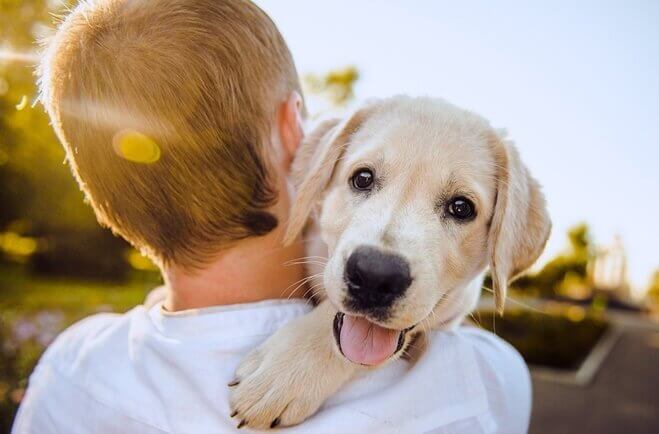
(148, 371)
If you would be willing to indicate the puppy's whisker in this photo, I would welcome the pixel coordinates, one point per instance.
(299, 284)
(274, 250)
(312, 289)
(311, 259)
(519, 303)
(304, 260)
(288, 264)
(471, 314)
(303, 280)
(307, 257)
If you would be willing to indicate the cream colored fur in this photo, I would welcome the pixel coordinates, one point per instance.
(423, 151)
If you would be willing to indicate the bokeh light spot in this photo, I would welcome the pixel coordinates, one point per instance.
(22, 103)
(13, 244)
(575, 313)
(134, 146)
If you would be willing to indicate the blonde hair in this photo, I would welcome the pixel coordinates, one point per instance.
(196, 81)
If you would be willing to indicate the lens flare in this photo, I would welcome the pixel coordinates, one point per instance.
(12, 56)
(136, 147)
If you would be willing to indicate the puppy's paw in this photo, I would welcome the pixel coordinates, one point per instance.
(287, 379)
(270, 396)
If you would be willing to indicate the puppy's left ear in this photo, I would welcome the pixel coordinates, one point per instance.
(520, 225)
(314, 165)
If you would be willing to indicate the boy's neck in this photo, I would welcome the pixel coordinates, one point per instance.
(254, 270)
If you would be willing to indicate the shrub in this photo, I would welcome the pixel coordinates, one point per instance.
(82, 254)
(561, 339)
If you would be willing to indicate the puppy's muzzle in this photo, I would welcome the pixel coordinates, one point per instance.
(375, 279)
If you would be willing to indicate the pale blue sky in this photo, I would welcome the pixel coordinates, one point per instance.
(575, 83)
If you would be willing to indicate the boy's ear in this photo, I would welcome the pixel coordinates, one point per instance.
(520, 225)
(289, 123)
(314, 165)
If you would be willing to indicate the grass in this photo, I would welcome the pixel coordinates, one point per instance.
(23, 293)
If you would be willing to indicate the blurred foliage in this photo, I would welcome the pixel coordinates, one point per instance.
(81, 253)
(40, 199)
(568, 268)
(336, 86)
(653, 289)
(559, 338)
(23, 21)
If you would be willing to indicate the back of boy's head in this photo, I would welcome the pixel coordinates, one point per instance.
(164, 108)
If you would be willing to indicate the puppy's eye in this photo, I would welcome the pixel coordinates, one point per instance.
(461, 208)
(362, 179)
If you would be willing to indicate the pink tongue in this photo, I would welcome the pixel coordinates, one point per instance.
(366, 343)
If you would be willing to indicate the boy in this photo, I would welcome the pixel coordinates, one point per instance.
(180, 119)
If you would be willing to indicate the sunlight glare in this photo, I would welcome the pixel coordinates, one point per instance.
(134, 146)
(8, 55)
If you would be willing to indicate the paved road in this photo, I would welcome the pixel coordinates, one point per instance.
(622, 399)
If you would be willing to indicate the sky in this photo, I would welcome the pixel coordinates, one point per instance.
(576, 84)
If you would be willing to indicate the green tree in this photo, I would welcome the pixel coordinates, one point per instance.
(573, 262)
(39, 196)
(337, 86)
(653, 289)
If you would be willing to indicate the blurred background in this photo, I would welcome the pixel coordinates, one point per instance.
(576, 86)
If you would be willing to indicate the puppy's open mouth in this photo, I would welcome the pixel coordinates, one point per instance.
(364, 342)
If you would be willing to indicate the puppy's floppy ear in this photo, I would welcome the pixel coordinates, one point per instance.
(520, 225)
(314, 165)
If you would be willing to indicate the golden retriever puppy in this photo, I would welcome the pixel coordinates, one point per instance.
(406, 203)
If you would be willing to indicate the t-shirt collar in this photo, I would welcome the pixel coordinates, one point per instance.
(236, 320)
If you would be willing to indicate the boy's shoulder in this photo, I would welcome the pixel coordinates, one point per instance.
(95, 356)
(100, 335)
(72, 385)
(120, 371)
(503, 376)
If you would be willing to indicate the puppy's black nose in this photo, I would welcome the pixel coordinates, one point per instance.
(375, 278)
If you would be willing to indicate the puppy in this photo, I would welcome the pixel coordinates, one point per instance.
(409, 200)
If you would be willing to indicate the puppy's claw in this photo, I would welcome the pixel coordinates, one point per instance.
(242, 424)
(278, 390)
(275, 423)
(234, 383)
(235, 412)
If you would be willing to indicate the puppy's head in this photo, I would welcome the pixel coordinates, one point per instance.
(414, 197)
